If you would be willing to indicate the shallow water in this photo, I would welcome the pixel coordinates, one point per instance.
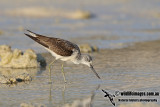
(125, 74)
(115, 23)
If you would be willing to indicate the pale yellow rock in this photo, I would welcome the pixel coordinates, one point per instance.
(4, 80)
(48, 12)
(80, 14)
(1, 32)
(24, 77)
(15, 58)
(13, 75)
(5, 54)
(31, 105)
(16, 53)
(12, 80)
(28, 78)
(26, 105)
(87, 48)
(30, 12)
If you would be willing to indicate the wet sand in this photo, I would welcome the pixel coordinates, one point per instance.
(134, 68)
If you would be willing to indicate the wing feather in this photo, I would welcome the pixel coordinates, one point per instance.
(59, 46)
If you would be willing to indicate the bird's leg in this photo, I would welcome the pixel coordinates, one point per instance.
(63, 93)
(63, 74)
(50, 71)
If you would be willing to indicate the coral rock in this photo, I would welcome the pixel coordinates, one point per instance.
(87, 48)
(15, 58)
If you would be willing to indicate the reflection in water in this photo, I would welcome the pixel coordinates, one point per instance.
(50, 95)
(63, 93)
(10, 75)
(85, 102)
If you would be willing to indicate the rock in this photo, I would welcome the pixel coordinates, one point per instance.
(1, 32)
(31, 105)
(4, 80)
(87, 48)
(13, 75)
(26, 105)
(80, 14)
(17, 59)
(35, 12)
(13, 80)
(23, 77)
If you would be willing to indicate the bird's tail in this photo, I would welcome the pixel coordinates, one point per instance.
(36, 37)
(32, 33)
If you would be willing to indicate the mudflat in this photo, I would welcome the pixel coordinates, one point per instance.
(134, 68)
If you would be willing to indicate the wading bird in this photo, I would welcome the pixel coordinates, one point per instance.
(62, 50)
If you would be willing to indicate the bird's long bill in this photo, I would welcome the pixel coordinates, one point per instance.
(94, 71)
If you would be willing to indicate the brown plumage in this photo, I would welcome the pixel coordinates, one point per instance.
(59, 46)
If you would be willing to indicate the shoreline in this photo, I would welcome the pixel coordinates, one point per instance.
(141, 47)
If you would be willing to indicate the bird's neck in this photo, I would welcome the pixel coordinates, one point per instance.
(79, 59)
(82, 59)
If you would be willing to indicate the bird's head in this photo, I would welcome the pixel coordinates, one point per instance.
(87, 60)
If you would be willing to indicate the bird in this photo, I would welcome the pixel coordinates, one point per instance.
(63, 50)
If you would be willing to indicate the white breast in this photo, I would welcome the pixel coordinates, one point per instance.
(71, 58)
